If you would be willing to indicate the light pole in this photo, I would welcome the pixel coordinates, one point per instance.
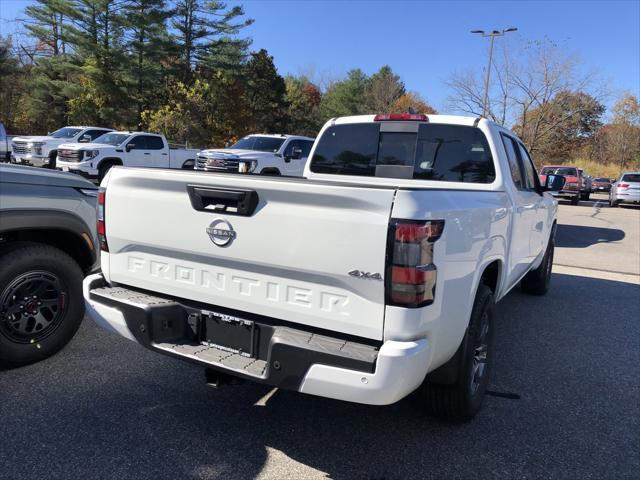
(492, 35)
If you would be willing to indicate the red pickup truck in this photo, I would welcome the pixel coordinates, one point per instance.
(573, 180)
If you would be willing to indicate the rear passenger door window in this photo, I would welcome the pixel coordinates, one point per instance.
(530, 172)
(514, 165)
(154, 143)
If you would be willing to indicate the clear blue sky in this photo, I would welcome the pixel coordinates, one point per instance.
(425, 41)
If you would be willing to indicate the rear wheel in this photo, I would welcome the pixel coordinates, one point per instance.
(188, 165)
(53, 156)
(575, 200)
(41, 304)
(537, 281)
(103, 169)
(613, 203)
(461, 401)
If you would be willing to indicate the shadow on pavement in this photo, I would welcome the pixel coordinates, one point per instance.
(578, 236)
(106, 408)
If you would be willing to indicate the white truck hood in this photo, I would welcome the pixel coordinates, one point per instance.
(85, 146)
(35, 138)
(236, 153)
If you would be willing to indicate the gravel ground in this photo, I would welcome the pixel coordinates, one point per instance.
(107, 408)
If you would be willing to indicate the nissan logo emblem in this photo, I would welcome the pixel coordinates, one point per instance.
(221, 232)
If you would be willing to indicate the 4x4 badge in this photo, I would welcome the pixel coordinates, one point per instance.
(368, 275)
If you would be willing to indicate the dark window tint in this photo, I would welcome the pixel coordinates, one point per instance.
(154, 143)
(631, 177)
(138, 143)
(258, 143)
(453, 153)
(347, 150)
(530, 171)
(567, 171)
(449, 153)
(514, 167)
(601, 179)
(303, 145)
(66, 132)
(93, 134)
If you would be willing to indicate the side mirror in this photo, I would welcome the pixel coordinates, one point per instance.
(554, 183)
(296, 153)
(130, 146)
(84, 139)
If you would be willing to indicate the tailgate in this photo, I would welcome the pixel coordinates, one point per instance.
(290, 259)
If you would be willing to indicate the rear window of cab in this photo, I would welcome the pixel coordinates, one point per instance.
(450, 153)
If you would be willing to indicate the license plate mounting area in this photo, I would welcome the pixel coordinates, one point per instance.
(229, 333)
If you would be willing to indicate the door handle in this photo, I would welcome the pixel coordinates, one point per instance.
(147, 153)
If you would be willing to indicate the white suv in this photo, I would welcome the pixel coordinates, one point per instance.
(264, 154)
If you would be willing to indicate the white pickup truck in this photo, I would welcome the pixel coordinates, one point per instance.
(371, 278)
(261, 154)
(131, 149)
(41, 151)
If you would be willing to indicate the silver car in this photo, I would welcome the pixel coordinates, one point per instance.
(626, 189)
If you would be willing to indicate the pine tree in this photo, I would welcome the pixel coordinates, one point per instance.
(149, 44)
(265, 92)
(200, 25)
(96, 32)
(346, 97)
(53, 77)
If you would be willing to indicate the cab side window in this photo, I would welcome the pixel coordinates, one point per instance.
(530, 171)
(303, 145)
(154, 143)
(514, 164)
(139, 143)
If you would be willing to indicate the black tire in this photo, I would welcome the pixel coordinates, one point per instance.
(537, 281)
(274, 172)
(55, 280)
(103, 169)
(613, 203)
(462, 400)
(53, 156)
(189, 165)
(575, 200)
(585, 196)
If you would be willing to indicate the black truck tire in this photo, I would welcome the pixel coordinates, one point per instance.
(460, 401)
(537, 281)
(41, 304)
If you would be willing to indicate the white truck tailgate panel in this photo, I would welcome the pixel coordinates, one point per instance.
(290, 260)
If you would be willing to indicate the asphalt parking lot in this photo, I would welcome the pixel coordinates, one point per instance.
(568, 362)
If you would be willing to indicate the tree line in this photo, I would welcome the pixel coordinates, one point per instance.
(185, 68)
(180, 67)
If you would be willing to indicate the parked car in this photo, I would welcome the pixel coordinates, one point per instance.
(601, 184)
(41, 151)
(625, 190)
(48, 244)
(5, 150)
(263, 154)
(586, 187)
(373, 277)
(573, 180)
(131, 149)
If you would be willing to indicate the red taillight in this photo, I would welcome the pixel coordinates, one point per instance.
(418, 117)
(622, 185)
(102, 229)
(411, 276)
